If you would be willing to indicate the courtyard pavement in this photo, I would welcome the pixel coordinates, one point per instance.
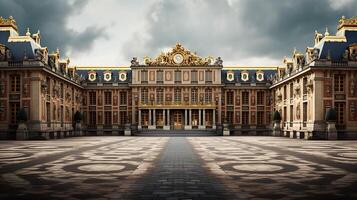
(178, 168)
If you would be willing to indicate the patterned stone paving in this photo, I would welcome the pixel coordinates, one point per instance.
(280, 168)
(178, 168)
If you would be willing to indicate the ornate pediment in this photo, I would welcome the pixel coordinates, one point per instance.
(181, 56)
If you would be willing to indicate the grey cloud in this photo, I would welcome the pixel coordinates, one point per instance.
(51, 17)
(242, 29)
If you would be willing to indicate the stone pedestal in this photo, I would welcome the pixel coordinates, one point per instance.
(166, 128)
(99, 129)
(226, 131)
(188, 127)
(127, 131)
(276, 128)
(152, 127)
(78, 129)
(22, 132)
(201, 127)
(115, 130)
(331, 131)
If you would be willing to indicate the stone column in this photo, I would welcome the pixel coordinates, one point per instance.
(168, 118)
(139, 119)
(185, 117)
(163, 116)
(154, 117)
(190, 117)
(214, 118)
(199, 117)
(204, 118)
(150, 117)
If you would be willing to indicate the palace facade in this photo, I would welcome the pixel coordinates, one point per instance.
(178, 90)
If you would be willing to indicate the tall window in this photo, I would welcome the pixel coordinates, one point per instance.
(291, 90)
(14, 108)
(339, 82)
(340, 110)
(260, 98)
(144, 96)
(92, 98)
(107, 98)
(123, 98)
(285, 93)
(208, 95)
(15, 83)
(194, 76)
(160, 96)
(177, 94)
(177, 76)
(209, 76)
(160, 76)
(92, 118)
(245, 117)
(230, 117)
(304, 88)
(48, 82)
(107, 118)
(61, 91)
(260, 117)
(194, 95)
(245, 98)
(122, 115)
(230, 98)
(291, 113)
(144, 76)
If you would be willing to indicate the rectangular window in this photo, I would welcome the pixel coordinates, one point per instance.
(230, 117)
(160, 96)
(144, 76)
(14, 108)
(160, 76)
(291, 90)
(260, 117)
(92, 98)
(177, 76)
(285, 93)
(245, 117)
(48, 82)
(194, 76)
(144, 96)
(304, 87)
(260, 98)
(177, 95)
(209, 76)
(291, 114)
(123, 98)
(245, 98)
(340, 110)
(304, 113)
(230, 98)
(122, 117)
(339, 82)
(92, 118)
(107, 118)
(15, 83)
(107, 98)
(208, 95)
(194, 95)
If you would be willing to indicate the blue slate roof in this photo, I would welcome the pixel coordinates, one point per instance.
(19, 48)
(252, 76)
(100, 74)
(336, 49)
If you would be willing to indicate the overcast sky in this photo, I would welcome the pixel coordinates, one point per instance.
(242, 32)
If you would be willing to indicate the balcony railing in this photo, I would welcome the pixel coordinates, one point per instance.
(178, 104)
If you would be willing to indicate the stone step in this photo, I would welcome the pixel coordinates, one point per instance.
(176, 133)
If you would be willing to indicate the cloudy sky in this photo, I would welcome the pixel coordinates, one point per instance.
(242, 32)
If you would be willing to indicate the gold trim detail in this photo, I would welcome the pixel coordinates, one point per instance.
(8, 22)
(347, 22)
(168, 58)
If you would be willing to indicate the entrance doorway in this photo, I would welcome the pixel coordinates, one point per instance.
(177, 119)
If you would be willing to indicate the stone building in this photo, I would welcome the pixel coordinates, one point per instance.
(178, 90)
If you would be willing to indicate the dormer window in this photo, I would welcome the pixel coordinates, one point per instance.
(260, 76)
(92, 76)
(122, 76)
(245, 76)
(107, 76)
(230, 76)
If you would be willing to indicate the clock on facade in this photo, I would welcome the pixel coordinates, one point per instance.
(178, 58)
